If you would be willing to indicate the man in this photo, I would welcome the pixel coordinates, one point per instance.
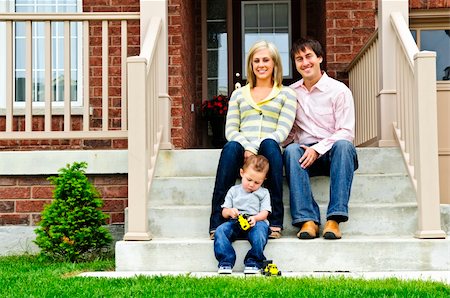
(322, 138)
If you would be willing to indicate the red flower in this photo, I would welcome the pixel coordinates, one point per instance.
(217, 106)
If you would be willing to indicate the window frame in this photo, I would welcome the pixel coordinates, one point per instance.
(430, 20)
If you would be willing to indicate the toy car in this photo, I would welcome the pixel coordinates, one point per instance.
(243, 221)
(270, 269)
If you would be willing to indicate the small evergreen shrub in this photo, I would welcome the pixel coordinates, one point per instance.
(71, 226)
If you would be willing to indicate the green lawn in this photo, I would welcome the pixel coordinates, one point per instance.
(26, 276)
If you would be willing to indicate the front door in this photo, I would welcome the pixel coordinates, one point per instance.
(232, 27)
(276, 21)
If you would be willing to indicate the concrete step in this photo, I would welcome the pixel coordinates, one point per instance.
(352, 254)
(203, 162)
(367, 188)
(365, 219)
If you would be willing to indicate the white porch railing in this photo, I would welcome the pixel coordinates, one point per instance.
(402, 74)
(145, 129)
(416, 125)
(363, 77)
(33, 112)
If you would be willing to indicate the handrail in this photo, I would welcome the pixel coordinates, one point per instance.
(84, 16)
(415, 127)
(145, 140)
(404, 35)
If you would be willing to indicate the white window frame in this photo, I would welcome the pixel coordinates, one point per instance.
(10, 4)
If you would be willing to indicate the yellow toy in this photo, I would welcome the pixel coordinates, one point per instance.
(270, 269)
(243, 222)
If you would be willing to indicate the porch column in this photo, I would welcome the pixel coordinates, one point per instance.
(159, 8)
(387, 79)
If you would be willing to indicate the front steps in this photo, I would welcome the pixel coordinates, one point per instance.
(378, 236)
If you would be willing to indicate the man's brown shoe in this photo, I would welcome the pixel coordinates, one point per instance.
(309, 230)
(331, 230)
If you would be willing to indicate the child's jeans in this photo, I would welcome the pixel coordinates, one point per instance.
(229, 231)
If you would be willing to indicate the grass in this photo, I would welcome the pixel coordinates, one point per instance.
(27, 276)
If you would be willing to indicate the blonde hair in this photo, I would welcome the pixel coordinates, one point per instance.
(259, 163)
(277, 75)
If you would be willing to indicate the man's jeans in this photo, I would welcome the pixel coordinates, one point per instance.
(231, 160)
(338, 163)
(229, 231)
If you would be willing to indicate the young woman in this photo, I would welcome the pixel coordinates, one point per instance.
(260, 117)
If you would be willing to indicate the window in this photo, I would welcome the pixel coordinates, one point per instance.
(217, 49)
(268, 20)
(38, 52)
(431, 31)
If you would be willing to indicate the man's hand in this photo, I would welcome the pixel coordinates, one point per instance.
(252, 221)
(309, 157)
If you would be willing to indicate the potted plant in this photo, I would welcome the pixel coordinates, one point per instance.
(214, 111)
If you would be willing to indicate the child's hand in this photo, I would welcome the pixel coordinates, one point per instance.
(252, 221)
(230, 213)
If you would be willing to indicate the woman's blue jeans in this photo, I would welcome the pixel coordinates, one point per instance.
(229, 231)
(231, 160)
(338, 163)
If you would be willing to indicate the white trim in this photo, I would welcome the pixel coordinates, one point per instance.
(49, 162)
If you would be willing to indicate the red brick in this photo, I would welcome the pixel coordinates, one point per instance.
(14, 219)
(113, 205)
(111, 180)
(6, 206)
(14, 192)
(42, 192)
(7, 181)
(120, 191)
(31, 205)
(117, 218)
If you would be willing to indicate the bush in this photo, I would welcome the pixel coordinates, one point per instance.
(71, 226)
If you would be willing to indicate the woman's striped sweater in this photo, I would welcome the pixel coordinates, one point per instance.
(249, 123)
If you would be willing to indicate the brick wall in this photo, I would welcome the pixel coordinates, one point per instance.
(23, 198)
(349, 24)
(183, 15)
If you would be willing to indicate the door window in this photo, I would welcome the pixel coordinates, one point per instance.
(268, 20)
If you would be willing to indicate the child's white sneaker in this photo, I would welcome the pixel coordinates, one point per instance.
(225, 270)
(251, 270)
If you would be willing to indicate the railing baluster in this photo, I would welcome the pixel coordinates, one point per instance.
(48, 77)
(105, 76)
(67, 77)
(29, 77)
(9, 77)
(124, 53)
(86, 101)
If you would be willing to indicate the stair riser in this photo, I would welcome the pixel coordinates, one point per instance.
(290, 255)
(372, 221)
(188, 163)
(366, 189)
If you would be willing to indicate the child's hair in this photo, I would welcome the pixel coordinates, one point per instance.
(302, 43)
(274, 54)
(257, 162)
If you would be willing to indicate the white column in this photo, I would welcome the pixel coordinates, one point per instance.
(149, 9)
(387, 75)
